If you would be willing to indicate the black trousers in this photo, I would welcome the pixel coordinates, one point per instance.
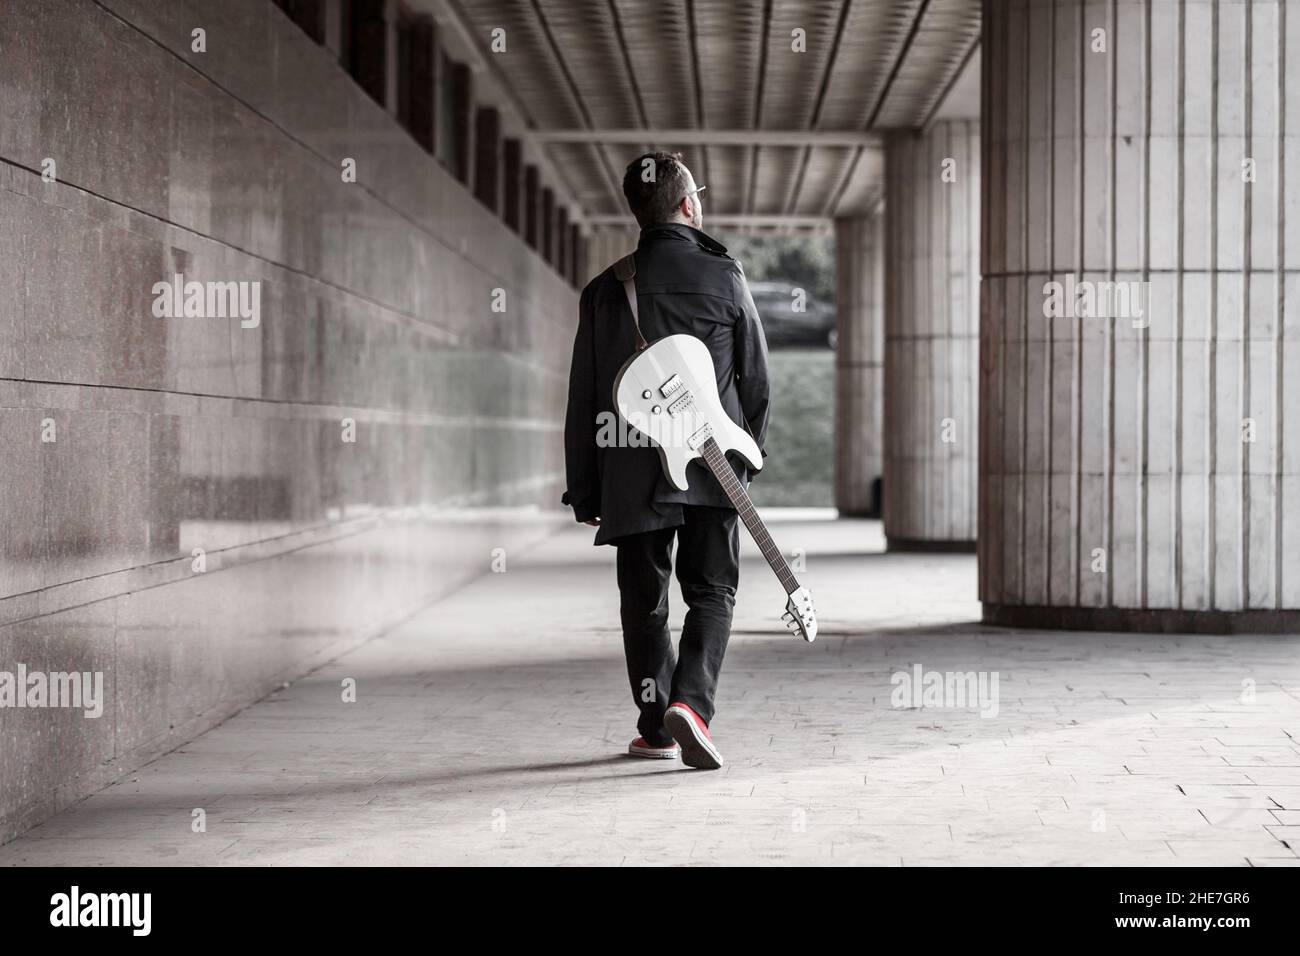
(708, 569)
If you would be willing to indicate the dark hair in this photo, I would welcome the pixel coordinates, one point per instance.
(656, 200)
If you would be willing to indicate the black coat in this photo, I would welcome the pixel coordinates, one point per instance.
(685, 282)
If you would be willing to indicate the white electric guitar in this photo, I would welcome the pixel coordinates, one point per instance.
(668, 391)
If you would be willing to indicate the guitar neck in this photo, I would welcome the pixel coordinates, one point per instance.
(716, 459)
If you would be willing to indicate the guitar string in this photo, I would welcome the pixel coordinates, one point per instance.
(716, 459)
(721, 469)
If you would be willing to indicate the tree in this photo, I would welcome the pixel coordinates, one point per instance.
(805, 261)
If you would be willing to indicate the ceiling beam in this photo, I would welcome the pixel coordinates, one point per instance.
(898, 63)
(449, 16)
(796, 184)
(852, 167)
(559, 61)
(752, 152)
(948, 87)
(710, 137)
(694, 42)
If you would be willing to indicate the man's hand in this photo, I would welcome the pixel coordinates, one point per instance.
(594, 522)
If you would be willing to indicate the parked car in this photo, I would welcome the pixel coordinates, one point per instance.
(785, 327)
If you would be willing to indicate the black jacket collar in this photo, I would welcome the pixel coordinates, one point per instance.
(681, 231)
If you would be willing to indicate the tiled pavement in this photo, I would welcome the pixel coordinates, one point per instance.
(489, 730)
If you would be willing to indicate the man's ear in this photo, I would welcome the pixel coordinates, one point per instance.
(684, 207)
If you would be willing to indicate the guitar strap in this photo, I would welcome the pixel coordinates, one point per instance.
(625, 272)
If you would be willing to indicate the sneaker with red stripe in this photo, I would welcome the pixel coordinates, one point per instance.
(692, 733)
(639, 748)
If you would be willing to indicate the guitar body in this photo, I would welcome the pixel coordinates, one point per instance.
(690, 407)
(668, 391)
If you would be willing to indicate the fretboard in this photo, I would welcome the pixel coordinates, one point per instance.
(716, 459)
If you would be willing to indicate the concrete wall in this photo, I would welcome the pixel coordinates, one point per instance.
(194, 433)
(1140, 467)
(932, 216)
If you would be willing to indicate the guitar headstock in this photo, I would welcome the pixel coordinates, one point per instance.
(800, 616)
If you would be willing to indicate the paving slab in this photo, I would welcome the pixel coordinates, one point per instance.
(490, 728)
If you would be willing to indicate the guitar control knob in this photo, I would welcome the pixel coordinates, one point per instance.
(657, 409)
(646, 393)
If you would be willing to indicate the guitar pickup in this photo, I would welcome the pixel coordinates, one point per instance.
(676, 407)
(674, 384)
(699, 438)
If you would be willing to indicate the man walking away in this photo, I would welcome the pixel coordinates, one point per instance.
(685, 283)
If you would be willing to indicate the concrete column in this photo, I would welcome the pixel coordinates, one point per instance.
(310, 16)
(932, 184)
(420, 102)
(1140, 382)
(562, 240)
(461, 80)
(548, 226)
(623, 241)
(597, 241)
(336, 29)
(512, 194)
(598, 251)
(532, 207)
(608, 245)
(393, 65)
(859, 363)
(445, 147)
(368, 48)
(487, 158)
(578, 260)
